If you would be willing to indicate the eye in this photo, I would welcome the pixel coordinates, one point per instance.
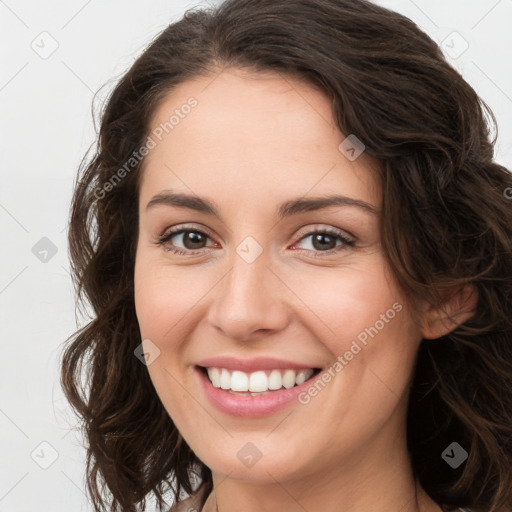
(192, 239)
(324, 241)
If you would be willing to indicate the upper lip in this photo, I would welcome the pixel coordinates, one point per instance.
(252, 365)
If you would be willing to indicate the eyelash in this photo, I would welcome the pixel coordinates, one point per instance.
(163, 239)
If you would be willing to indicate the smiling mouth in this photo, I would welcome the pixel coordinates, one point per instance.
(261, 382)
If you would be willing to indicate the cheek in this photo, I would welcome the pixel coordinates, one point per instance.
(373, 341)
(149, 299)
(349, 301)
(156, 297)
(167, 300)
(366, 322)
(160, 302)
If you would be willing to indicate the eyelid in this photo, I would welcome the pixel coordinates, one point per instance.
(310, 229)
(347, 239)
(184, 227)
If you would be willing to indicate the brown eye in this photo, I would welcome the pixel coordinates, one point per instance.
(190, 240)
(193, 239)
(322, 241)
(326, 241)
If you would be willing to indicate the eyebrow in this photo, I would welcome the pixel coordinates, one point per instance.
(287, 209)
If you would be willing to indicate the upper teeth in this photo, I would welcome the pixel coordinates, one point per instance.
(258, 381)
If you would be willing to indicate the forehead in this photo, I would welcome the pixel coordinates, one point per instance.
(252, 136)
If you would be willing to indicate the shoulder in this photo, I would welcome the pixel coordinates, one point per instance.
(190, 504)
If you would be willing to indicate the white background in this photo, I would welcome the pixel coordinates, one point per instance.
(46, 127)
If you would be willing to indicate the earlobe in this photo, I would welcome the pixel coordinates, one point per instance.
(459, 308)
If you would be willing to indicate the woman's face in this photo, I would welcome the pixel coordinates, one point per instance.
(261, 286)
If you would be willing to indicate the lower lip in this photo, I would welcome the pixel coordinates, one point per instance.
(251, 406)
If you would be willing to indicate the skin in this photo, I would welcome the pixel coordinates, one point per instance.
(254, 141)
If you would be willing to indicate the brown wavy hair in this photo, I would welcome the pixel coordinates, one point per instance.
(446, 222)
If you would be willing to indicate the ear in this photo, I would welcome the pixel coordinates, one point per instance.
(459, 307)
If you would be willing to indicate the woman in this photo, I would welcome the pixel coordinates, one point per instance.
(298, 250)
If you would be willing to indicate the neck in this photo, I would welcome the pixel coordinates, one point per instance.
(361, 483)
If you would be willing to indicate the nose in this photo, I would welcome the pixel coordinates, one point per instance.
(249, 300)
